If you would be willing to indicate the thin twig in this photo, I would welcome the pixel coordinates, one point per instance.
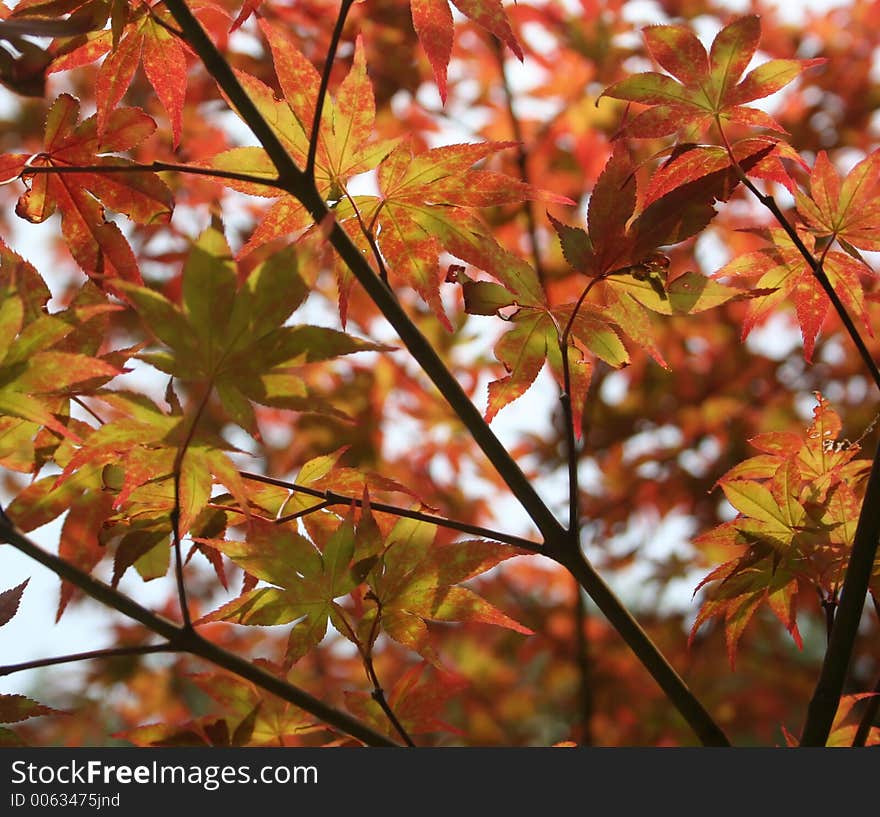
(522, 158)
(177, 469)
(332, 498)
(371, 239)
(584, 664)
(87, 408)
(152, 167)
(304, 512)
(568, 417)
(378, 693)
(868, 717)
(114, 652)
(325, 84)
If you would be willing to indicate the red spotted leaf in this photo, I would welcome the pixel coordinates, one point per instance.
(704, 88)
(847, 209)
(433, 23)
(779, 273)
(96, 244)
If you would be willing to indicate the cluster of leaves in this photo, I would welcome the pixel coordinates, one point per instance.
(797, 503)
(364, 592)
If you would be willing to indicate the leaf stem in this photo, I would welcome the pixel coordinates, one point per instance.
(568, 418)
(368, 234)
(188, 640)
(378, 693)
(325, 84)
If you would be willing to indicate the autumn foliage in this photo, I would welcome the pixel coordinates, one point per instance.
(471, 374)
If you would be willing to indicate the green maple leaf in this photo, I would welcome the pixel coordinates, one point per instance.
(303, 581)
(416, 581)
(235, 338)
(44, 359)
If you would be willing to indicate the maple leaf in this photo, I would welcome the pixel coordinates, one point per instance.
(346, 145)
(235, 338)
(249, 718)
(755, 156)
(535, 338)
(796, 507)
(9, 601)
(843, 731)
(416, 581)
(425, 200)
(704, 88)
(97, 245)
(133, 458)
(417, 700)
(304, 581)
(847, 210)
(432, 20)
(16, 708)
(780, 272)
(426, 206)
(619, 250)
(42, 361)
(140, 34)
